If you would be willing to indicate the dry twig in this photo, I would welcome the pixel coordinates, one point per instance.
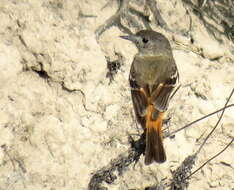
(183, 173)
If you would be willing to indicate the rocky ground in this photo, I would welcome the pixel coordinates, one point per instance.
(60, 118)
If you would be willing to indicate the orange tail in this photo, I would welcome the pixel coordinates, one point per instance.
(154, 146)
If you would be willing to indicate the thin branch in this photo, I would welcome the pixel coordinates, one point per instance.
(144, 19)
(115, 19)
(182, 174)
(157, 16)
(211, 158)
(175, 91)
(219, 12)
(221, 116)
(204, 117)
(203, 3)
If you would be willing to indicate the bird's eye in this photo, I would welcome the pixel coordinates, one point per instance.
(145, 40)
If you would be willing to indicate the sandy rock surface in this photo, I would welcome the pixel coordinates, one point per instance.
(61, 120)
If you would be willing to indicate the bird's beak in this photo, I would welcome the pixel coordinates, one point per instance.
(131, 38)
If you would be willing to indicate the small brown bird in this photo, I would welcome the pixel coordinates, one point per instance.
(152, 78)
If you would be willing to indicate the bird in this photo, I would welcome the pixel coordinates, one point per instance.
(153, 77)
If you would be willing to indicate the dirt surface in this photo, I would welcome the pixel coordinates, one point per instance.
(61, 120)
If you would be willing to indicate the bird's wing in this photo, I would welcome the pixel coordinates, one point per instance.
(161, 92)
(139, 98)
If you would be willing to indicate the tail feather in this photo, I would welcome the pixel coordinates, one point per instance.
(154, 146)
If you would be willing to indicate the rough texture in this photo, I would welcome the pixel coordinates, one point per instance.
(60, 120)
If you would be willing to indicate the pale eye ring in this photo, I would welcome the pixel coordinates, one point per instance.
(145, 40)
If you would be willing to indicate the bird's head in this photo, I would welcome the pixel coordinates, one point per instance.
(149, 41)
